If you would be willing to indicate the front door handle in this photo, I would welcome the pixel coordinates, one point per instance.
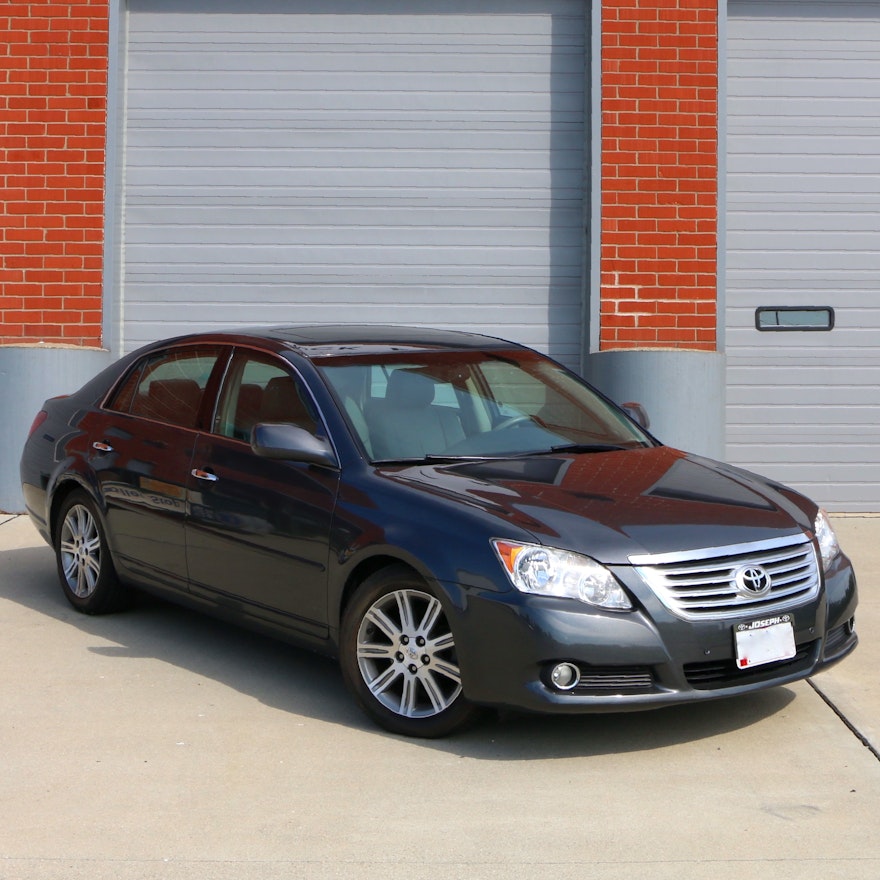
(200, 474)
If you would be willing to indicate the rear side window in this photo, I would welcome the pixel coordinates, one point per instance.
(168, 387)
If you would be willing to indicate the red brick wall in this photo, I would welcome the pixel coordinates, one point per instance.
(659, 174)
(53, 71)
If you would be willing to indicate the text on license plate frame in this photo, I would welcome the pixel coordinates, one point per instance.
(764, 641)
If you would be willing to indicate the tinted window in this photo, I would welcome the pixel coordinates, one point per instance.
(168, 387)
(261, 389)
(408, 406)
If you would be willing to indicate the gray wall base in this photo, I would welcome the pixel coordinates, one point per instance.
(683, 392)
(27, 377)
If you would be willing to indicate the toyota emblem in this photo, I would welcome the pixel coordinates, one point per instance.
(752, 581)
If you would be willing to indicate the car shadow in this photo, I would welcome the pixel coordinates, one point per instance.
(298, 681)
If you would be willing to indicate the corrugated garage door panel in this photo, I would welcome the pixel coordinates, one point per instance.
(804, 230)
(421, 163)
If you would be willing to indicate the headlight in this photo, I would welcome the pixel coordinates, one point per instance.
(533, 568)
(828, 546)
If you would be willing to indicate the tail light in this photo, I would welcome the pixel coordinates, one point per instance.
(42, 415)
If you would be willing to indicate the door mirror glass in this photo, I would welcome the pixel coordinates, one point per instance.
(291, 443)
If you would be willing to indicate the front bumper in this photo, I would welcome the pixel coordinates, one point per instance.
(508, 643)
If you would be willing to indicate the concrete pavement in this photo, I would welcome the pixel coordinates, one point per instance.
(161, 744)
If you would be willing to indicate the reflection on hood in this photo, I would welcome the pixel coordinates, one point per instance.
(616, 504)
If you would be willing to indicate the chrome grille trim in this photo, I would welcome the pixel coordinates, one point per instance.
(700, 585)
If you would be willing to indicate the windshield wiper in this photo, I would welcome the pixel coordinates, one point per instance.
(430, 458)
(584, 447)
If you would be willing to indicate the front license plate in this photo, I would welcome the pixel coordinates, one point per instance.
(764, 641)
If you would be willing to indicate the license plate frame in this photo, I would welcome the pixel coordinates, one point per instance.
(769, 640)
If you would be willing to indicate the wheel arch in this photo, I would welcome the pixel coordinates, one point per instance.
(63, 490)
(368, 567)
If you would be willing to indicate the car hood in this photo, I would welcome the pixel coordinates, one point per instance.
(613, 505)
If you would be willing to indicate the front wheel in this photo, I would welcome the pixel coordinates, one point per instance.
(399, 660)
(85, 567)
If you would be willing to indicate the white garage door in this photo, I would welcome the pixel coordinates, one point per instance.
(804, 234)
(381, 162)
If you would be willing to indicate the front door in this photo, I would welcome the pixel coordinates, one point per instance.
(258, 530)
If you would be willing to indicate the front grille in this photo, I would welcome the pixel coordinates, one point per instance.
(725, 673)
(702, 584)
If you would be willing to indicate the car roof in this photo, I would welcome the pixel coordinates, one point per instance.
(328, 340)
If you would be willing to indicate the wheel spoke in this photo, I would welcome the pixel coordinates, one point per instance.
(92, 567)
(409, 696)
(447, 668)
(75, 579)
(384, 680)
(82, 522)
(405, 610)
(84, 581)
(374, 651)
(438, 700)
(68, 561)
(380, 619)
(442, 643)
(430, 617)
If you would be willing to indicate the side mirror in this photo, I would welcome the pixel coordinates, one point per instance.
(292, 443)
(637, 413)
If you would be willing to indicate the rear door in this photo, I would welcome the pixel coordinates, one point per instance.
(141, 447)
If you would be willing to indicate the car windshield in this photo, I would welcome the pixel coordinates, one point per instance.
(417, 406)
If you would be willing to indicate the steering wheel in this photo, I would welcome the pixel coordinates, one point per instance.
(513, 421)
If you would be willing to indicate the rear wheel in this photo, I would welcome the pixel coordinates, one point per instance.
(85, 567)
(399, 660)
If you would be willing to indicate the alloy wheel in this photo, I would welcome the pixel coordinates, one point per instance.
(406, 654)
(80, 548)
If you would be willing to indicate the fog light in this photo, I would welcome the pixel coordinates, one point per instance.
(565, 676)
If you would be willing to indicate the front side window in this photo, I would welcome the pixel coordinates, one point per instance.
(261, 389)
(168, 386)
(472, 404)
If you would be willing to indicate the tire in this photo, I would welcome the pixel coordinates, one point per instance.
(398, 657)
(85, 567)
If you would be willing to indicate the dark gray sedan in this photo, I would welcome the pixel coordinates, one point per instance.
(462, 521)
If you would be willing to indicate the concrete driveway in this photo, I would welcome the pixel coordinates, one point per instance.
(161, 744)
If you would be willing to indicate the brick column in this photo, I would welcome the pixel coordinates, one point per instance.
(659, 174)
(53, 65)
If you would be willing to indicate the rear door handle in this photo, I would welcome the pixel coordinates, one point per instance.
(199, 474)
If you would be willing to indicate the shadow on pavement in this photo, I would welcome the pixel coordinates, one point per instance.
(298, 681)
